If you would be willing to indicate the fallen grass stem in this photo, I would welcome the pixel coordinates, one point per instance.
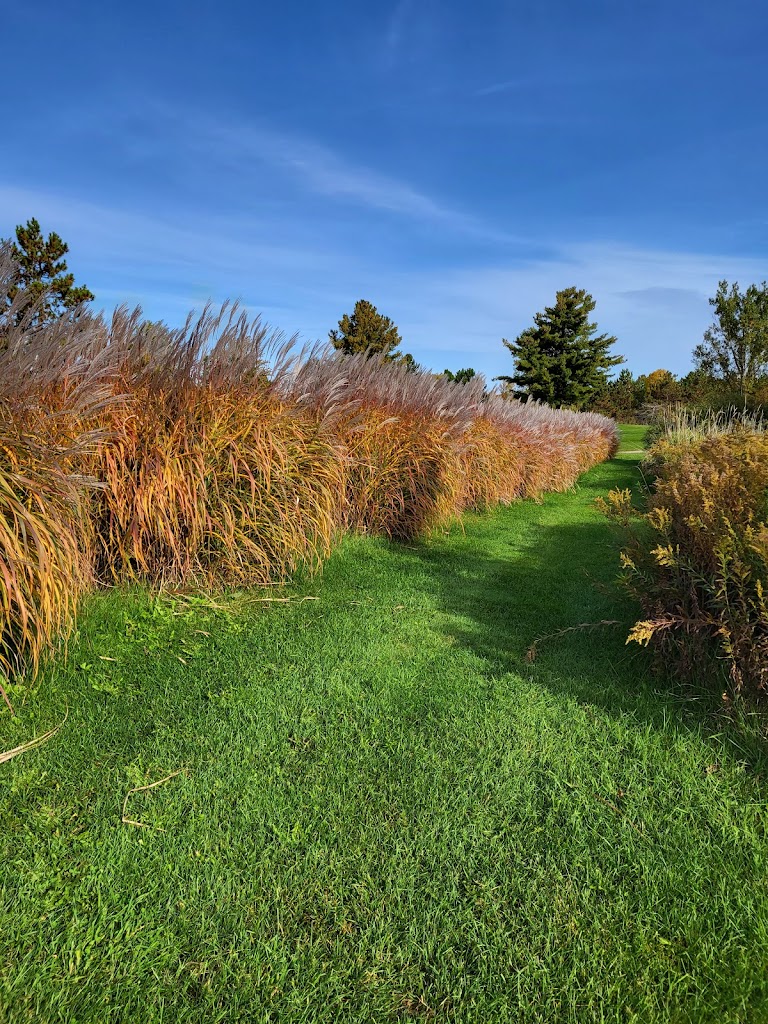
(143, 789)
(36, 741)
(533, 650)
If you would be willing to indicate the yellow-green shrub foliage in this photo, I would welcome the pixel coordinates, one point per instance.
(699, 564)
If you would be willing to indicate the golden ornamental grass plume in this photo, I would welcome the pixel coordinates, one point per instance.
(210, 476)
(401, 476)
(492, 468)
(421, 449)
(232, 489)
(42, 564)
(397, 431)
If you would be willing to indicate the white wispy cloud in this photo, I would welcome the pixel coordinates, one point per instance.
(653, 300)
(321, 170)
(173, 263)
(575, 77)
(490, 90)
(244, 160)
(161, 240)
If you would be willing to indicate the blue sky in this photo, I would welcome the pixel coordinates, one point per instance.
(455, 164)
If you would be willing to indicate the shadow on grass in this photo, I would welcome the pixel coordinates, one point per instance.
(546, 577)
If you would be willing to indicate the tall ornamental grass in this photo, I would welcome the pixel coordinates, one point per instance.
(210, 476)
(680, 424)
(421, 449)
(219, 454)
(53, 395)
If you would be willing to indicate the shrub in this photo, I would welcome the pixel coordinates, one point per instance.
(699, 561)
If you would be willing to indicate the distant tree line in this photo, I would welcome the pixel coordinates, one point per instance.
(563, 361)
(460, 376)
(730, 364)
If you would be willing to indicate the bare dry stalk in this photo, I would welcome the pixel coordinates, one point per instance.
(36, 741)
(533, 650)
(143, 789)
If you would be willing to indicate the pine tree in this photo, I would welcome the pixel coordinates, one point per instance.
(41, 274)
(461, 376)
(622, 397)
(406, 360)
(366, 330)
(561, 360)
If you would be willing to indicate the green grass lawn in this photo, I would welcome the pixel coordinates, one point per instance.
(633, 436)
(384, 811)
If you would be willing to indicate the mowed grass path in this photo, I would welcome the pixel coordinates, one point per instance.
(385, 811)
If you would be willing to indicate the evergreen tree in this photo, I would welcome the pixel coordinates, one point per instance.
(561, 360)
(622, 397)
(406, 359)
(735, 347)
(366, 330)
(461, 376)
(698, 388)
(41, 274)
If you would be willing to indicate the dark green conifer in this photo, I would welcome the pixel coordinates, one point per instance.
(561, 360)
(366, 330)
(41, 274)
(461, 376)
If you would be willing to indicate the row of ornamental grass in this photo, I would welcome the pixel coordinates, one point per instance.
(221, 455)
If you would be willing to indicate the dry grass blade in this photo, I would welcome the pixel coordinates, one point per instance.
(533, 650)
(618, 811)
(6, 699)
(36, 741)
(143, 789)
